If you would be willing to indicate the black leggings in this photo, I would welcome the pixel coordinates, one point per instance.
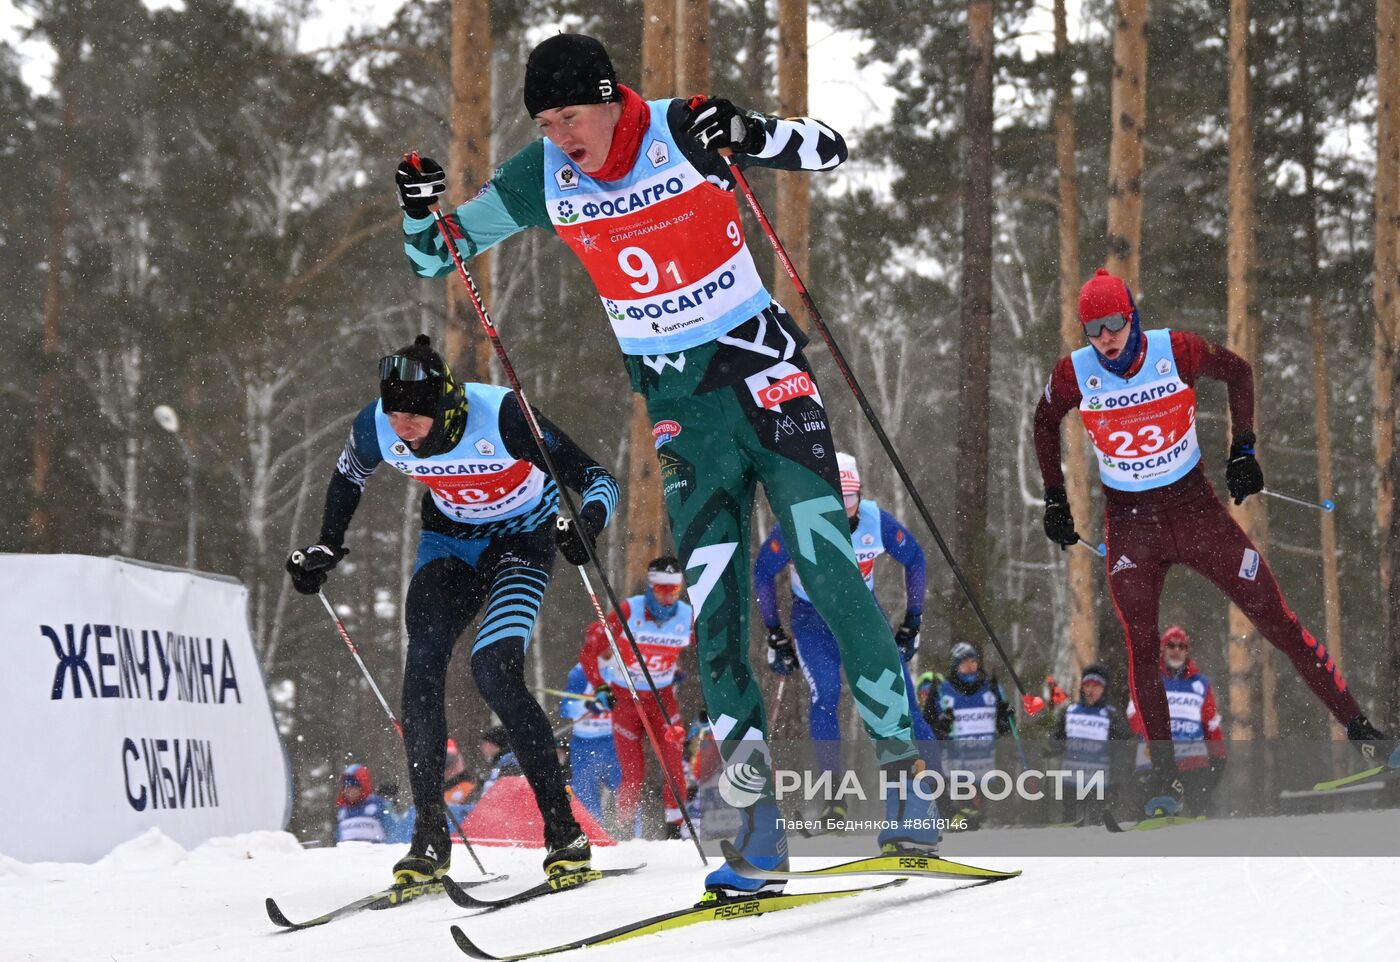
(443, 598)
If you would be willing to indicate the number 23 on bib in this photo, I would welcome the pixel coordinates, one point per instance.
(1143, 429)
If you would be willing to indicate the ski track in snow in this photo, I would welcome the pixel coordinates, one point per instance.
(151, 900)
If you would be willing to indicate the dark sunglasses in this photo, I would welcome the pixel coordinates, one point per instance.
(396, 367)
(1176, 646)
(1113, 322)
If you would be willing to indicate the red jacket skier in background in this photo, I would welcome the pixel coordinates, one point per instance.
(1135, 391)
(662, 624)
(1198, 739)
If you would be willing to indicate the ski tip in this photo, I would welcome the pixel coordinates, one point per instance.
(467, 945)
(275, 914)
(459, 896)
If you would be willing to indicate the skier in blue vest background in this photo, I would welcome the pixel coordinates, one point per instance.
(1088, 730)
(593, 762)
(360, 815)
(970, 710)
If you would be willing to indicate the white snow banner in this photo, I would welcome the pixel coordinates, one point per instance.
(130, 697)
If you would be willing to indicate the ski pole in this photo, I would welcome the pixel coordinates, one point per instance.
(1099, 549)
(566, 501)
(1326, 506)
(777, 703)
(298, 558)
(1032, 703)
(561, 694)
(1015, 732)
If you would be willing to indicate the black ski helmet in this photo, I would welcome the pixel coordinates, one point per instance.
(416, 380)
(666, 564)
(567, 69)
(961, 652)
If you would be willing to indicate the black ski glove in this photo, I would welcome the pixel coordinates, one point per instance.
(570, 539)
(1243, 476)
(602, 699)
(907, 636)
(308, 566)
(420, 184)
(716, 123)
(782, 656)
(1059, 522)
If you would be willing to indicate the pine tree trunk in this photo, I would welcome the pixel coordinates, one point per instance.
(1317, 327)
(468, 165)
(1129, 112)
(1083, 618)
(692, 47)
(1387, 306)
(48, 419)
(1387, 261)
(1244, 644)
(646, 521)
(794, 214)
(974, 397)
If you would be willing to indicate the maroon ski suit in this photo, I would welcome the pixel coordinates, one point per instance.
(1183, 522)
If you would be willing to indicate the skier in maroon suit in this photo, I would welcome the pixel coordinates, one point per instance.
(1135, 391)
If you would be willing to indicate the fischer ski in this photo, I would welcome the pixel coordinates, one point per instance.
(915, 866)
(704, 911)
(559, 883)
(1381, 773)
(387, 898)
(1149, 824)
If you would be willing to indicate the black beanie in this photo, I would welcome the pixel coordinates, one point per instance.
(416, 397)
(568, 69)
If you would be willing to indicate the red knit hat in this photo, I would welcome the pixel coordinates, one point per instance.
(1177, 634)
(1102, 295)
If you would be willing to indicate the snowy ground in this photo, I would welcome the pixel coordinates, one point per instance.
(152, 900)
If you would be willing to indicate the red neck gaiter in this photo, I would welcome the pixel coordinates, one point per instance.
(627, 137)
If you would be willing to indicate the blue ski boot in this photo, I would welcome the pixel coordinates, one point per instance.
(762, 840)
(912, 819)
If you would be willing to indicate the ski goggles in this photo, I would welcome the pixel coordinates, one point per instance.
(666, 586)
(396, 367)
(1109, 322)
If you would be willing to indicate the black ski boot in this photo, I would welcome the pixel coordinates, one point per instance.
(573, 855)
(1374, 745)
(1164, 786)
(430, 855)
